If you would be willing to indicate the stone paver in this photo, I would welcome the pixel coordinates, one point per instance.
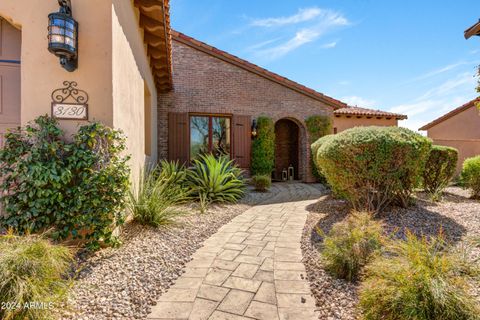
(251, 268)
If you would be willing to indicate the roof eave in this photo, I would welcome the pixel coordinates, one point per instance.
(472, 31)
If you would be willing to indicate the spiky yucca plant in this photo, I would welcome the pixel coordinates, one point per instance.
(419, 279)
(152, 201)
(216, 179)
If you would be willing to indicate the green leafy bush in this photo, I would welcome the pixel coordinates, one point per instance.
(471, 175)
(419, 279)
(32, 270)
(157, 194)
(439, 169)
(77, 188)
(317, 127)
(262, 182)
(351, 244)
(215, 179)
(263, 148)
(372, 167)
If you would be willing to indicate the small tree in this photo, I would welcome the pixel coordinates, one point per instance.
(439, 169)
(317, 127)
(263, 147)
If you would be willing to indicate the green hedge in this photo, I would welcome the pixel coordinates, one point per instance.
(317, 127)
(372, 167)
(471, 175)
(263, 148)
(439, 169)
(76, 188)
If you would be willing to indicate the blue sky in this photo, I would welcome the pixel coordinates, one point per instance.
(403, 56)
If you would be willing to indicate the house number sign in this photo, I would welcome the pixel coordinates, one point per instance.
(69, 102)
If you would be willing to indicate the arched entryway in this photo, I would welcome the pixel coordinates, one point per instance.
(10, 43)
(286, 147)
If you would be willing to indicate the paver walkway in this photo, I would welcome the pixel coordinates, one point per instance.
(251, 268)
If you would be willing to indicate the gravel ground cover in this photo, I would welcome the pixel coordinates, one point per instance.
(123, 283)
(457, 216)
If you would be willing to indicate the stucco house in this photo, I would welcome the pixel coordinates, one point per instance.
(460, 129)
(172, 95)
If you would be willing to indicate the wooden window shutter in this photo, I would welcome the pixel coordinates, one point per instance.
(178, 142)
(242, 140)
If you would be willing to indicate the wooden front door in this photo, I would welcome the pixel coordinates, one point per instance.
(10, 44)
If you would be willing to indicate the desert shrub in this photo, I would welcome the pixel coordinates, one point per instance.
(263, 148)
(314, 149)
(215, 179)
(31, 270)
(317, 127)
(351, 244)
(471, 175)
(439, 169)
(419, 279)
(152, 201)
(262, 182)
(372, 167)
(75, 188)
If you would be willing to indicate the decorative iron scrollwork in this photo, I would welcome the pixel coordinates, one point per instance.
(69, 92)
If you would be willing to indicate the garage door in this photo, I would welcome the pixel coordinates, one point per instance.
(10, 44)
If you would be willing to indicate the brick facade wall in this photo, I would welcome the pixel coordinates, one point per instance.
(207, 84)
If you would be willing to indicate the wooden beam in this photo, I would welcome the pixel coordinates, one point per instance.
(153, 40)
(151, 25)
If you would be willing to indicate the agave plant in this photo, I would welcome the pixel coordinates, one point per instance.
(173, 171)
(216, 179)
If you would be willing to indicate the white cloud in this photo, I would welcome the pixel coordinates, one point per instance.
(438, 71)
(465, 79)
(330, 45)
(301, 16)
(324, 22)
(359, 101)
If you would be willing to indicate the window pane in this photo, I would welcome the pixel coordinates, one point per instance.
(220, 136)
(198, 136)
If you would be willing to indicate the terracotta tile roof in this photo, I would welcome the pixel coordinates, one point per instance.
(473, 30)
(154, 19)
(357, 111)
(450, 114)
(256, 69)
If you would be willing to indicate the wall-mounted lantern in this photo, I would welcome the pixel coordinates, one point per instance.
(63, 36)
(254, 128)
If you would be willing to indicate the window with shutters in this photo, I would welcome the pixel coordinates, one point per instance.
(210, 134)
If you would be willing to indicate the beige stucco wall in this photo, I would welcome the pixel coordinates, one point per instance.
(113, 67)
(131, 73)
(343, 123)
(41, 72)
(461, 131)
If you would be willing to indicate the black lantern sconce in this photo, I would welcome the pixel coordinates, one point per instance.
(63, 36)
(254, 128)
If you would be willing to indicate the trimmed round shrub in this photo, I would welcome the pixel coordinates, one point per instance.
(32, 269)
(372, 167)
(316, 146)
(471, 176)
(262, 182)
(419, 279)
(351, 244)
(263, 148)
(439, 169)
